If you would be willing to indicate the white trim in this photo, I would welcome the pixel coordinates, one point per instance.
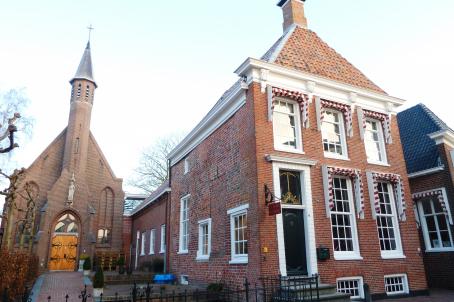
(162, 248)
(237, 211)
(360, 285)
(290, 160)
(200, 256)
(342, 133)
(356, 253)
(279, 75)
(443, 137)
(452, 157)
(227, 106)
(142, 243)
(398, 253)
(297, 115)
(137, 249)
(186, 166)
(182, 250)
(445, 197)
(152, 241)
(309, 226)
(405, 284)
(426, 172)
(381, 138)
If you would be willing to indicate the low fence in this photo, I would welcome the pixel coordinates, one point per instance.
(280, 289)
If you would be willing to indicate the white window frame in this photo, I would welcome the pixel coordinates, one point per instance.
(162, 249)
(381, 143)
(200, 255)
(142, 245)
(152, 241)
(343, 135)
(137, 248)
(187, 166)
(452, 157)
(347, 255)
(235, 212)
(360, 285)
(398, 252)
(405, 284)
(299, 144)
(425, 230)
(184, 249)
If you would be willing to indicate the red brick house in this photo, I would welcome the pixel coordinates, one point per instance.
(307, 132)
(429, 154)
(147, 225)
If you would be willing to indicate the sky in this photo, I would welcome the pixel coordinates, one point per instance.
(161, 65)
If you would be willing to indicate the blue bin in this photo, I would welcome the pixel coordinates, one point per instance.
(164, 279)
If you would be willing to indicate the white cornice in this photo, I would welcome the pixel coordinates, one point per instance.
(221, 112)
(426, 172)
(443, 137)
(290, 160)
(338, 91)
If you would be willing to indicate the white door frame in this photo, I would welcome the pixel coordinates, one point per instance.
(309, 229)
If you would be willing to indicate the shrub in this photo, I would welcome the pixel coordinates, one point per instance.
(98, 281)
(121, 261)
(17, 270)
(87, 264)
(83, 256)
(215, 287)
(158, 265)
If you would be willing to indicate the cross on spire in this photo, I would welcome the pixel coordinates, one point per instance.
(90, 28)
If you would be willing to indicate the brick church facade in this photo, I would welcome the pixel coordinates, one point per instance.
(79, 199)
(297, 170)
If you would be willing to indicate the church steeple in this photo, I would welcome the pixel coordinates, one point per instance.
(85, 69)
(78, 130)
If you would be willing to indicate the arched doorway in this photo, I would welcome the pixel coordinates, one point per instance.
(64, 242)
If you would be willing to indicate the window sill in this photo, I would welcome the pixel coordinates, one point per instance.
(442, 250)
(295, 151)
(242, 260)
(202, 258)
(341, 257)
(393, 256)
(162, 251)
(335, 156)
(182, 252)
(151, 254)
(141, 255)
(378, 163)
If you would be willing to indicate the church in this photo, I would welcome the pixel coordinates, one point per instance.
(77, 195)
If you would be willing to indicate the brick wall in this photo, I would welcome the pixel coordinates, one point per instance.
(439, 265)
(151, 217)
(229, 168)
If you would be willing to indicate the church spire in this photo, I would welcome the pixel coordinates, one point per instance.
(85, 69)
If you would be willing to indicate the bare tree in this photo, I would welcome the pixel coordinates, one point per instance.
(152, 170)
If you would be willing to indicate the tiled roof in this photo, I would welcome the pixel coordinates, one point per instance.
(415, 125)
(303, 50)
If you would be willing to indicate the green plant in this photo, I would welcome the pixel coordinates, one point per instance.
(98, 281)
(83, 256)
(121, 261)
(215, 287)
(87, 264)
(158, 265)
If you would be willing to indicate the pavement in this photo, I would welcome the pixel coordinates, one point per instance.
(436, 295)
(57, 285)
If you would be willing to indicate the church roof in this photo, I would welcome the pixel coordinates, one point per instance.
(85, 69)
(302, 49)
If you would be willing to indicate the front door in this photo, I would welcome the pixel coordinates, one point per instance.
(295, 243)
(63, 253)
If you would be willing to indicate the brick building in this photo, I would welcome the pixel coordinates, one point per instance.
(297, 170)
(429, 155)
(78, 197)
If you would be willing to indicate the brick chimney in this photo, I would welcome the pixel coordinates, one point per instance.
(293, 11)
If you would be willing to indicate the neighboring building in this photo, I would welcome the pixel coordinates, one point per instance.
(304, 124)
(78, 197)
(429, 154)
(132, 201)
(147, 224)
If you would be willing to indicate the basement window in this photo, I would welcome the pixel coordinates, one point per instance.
(396, 284)
(352, 286)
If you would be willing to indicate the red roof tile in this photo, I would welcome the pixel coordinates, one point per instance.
(303, 50)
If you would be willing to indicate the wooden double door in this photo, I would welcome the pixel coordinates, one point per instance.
(63, 254)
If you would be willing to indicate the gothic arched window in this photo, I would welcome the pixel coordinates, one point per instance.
(66, 224)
